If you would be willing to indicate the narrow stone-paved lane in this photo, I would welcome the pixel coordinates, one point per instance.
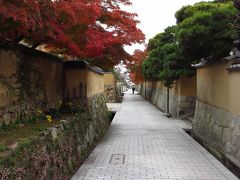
(144, 144)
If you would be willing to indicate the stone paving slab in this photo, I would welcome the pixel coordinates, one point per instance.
(114, 107)
(144, 144)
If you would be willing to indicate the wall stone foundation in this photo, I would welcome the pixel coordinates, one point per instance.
(29, 81)
(57, 152)
(219, 129)
(178, 105)
(32, 81)
(111, 93)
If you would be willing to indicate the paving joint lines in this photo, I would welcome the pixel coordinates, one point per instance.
(144, 144)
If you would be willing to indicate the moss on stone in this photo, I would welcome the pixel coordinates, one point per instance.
(42, 156)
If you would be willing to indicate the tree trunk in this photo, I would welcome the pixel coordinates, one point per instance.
(167, 100)
(145, 90)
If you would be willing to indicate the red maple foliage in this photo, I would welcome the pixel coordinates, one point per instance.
(93, 29)
(135, 66)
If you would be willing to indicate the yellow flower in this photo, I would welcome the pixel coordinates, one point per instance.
(60, 102)
(49, 118)
(39, 112)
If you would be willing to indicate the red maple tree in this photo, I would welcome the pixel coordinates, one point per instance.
(123, 25)
(93, 29)
(135, 66)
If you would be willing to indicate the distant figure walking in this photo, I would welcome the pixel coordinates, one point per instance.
(133, 89)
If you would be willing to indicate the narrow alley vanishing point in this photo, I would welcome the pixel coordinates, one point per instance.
(144, 144)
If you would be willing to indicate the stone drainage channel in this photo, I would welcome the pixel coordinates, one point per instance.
(234, 168)
(143, 144)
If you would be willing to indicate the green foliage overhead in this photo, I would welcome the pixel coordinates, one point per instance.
(204, 29)
(151, 65)
(164, 61)
(162, 38)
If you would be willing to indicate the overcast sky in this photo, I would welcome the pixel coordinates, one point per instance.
(155, 15)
